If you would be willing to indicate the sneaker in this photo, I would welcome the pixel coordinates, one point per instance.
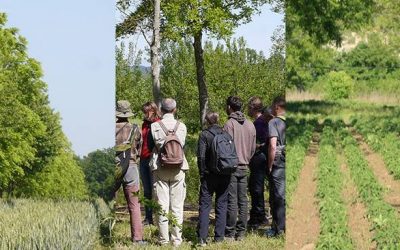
(202, 243)
(270, 233)
(140, 242)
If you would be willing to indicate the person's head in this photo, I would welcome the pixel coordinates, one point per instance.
(123, 111)
(255, 106)
(278, 106)
(150, 111)
(233, 104)
(212, 118)
(267, 114)
(168, 105)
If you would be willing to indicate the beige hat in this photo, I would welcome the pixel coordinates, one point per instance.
(123, 109)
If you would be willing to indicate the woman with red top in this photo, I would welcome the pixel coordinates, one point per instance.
(151, 114)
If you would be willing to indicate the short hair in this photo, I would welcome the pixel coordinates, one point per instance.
(151, 106)
(234, 102)
(279, 102)
(212, 118)
(255, 103)
(168, 105)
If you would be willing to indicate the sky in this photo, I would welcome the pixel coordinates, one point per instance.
(74, 41)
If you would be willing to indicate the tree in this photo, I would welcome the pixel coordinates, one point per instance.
(190, 19)
(99, 168)
(32, 144)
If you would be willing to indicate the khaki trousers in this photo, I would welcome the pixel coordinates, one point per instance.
(170, 191)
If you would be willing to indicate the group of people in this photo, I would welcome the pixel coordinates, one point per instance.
(233, 160)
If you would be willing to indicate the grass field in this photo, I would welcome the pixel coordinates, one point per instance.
(347, 183)
(35, 224)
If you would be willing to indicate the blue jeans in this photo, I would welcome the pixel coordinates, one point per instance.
(147, 182)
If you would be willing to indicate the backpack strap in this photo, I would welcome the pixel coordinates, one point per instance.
(166, 131)
(119, 130)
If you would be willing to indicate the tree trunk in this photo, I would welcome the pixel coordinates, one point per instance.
(201, 76)
(155, 54)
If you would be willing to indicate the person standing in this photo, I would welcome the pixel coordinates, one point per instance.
(168, 165)
(276, 166)
(151, 114)
(128, 143)
(257, 165)
(212, 180)
(243, 133)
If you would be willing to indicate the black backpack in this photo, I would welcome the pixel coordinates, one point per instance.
(223, 157)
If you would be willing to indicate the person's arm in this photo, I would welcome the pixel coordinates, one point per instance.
(271, 152)
(137, 140)
(228, 127)
(201, 154)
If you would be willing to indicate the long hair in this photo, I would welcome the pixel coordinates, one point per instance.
(151, 106)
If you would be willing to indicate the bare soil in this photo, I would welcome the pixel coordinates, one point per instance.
(377, 165)
(356, 211)
(303, 225)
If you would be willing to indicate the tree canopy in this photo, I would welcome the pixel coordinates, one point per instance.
(35, 156)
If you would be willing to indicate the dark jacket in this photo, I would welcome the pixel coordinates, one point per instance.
(204, 149)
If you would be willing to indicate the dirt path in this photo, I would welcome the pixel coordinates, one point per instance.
(356, 211)
(377, 165)
(303, 217)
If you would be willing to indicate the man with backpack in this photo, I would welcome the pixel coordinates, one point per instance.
(128, 143)
(243, 133)
(168, 165)
(276, 166)
(216, 160)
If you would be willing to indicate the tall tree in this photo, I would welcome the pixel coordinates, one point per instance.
(35, 156)
(190, 19)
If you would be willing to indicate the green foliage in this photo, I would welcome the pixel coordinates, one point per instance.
(35, 157)
(386, 224)
(33, 224)
(232, 69)
(99, 167)
(338, 85)
(131, 82)
(382, 134)
(334, 227)
(371, 61)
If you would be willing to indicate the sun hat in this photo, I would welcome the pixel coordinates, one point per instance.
(123, 109)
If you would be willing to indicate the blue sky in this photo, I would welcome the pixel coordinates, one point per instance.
(74, 41)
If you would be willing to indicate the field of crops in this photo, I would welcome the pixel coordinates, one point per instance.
(33, 224)
(360, 140)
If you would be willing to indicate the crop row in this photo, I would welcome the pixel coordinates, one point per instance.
(31, 224)
(334, 232)
(382, 139)
(299, 133)
(386, 224)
